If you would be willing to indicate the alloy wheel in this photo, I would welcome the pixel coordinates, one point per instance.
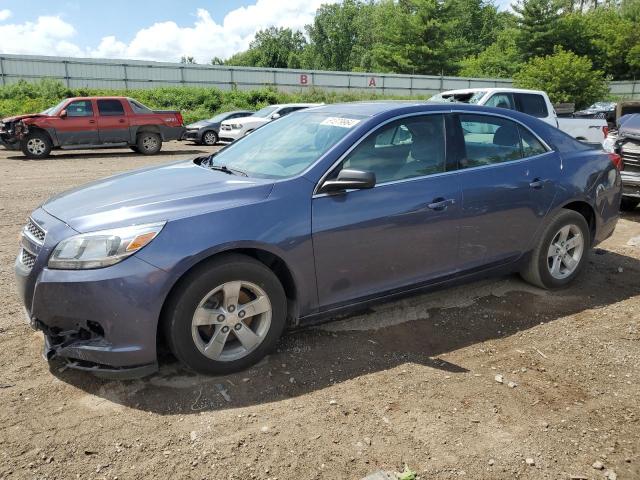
(210, 138)
(36, 146)
(565, 251)
(150, 143)
(231, 321)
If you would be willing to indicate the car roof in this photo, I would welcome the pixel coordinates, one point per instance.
(280, 105)
(371, 108)
(491, 90)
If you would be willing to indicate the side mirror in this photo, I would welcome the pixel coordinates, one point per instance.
(275, 116)
(63, 113)
(350, 180)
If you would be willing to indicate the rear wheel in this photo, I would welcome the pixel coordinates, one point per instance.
(627, 204)
(149, 143)
(37, 145)
(210, 138)
(226, 315)
(561, 252)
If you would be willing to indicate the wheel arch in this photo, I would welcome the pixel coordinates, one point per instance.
(271, 260)
(585, 209)
(146, 129)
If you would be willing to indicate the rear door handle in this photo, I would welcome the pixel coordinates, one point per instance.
(92, 121)
(440, 204)
(537, 184)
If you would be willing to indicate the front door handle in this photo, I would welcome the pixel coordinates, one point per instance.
(92, 121)
(537, 184)
(440, 204)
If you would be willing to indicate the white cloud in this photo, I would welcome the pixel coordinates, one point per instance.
(167, 41)
(162, 41)
(48, 35)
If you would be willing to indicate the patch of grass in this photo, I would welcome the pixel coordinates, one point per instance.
(407, 474)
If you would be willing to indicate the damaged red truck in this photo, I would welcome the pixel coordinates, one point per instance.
(91, 122)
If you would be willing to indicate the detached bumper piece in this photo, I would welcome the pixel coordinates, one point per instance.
(77, 347)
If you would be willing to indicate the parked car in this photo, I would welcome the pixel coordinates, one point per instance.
(91, 122)
(317, 214)
(606, 110)
(232, 130)
(207, 132)
(626, 142)
(533, 102)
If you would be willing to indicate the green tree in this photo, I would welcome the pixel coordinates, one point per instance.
(538, 21)
(188, 60)
(336, 34)
(272, 48)
(501, 60)
(565, 76)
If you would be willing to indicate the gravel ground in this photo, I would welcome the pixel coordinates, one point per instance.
(412, 382)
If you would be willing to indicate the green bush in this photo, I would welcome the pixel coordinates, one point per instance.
(565, 76)
(195, 103)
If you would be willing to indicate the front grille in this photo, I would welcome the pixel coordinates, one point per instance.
(27, 259)
(34, 231)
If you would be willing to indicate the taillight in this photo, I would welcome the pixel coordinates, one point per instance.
(181, 121)
(605, 130)
(616, 160)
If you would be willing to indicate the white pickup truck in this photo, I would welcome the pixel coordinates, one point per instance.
(532, 102)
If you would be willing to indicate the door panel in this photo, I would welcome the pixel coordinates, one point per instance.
(507, 178)
(370, 241)
(79, 127)
(113, 124)
(402, 232)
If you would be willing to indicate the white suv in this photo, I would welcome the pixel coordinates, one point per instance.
(236, 128)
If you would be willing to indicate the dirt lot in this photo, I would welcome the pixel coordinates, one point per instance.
(409, 382)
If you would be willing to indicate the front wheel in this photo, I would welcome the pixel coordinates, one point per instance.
(561, 253)
(628, 204)
(226, 315)
(149, 143)
(210, 138)
(37, 145)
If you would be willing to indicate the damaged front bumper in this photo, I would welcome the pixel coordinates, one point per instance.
(11, 135)
(104, 320)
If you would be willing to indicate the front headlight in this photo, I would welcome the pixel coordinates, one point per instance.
(102, 248)
(236, 126)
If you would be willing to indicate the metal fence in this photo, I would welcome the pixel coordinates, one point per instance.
(134, 74)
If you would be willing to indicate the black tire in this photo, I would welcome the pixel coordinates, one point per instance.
(36, 145)
(148, 143)
(209, 138)
(537, 271)
(134, 148)
(628, 204)
(179, 311)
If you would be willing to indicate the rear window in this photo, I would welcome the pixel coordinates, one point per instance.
(532, 104)
(137, 107)
(110, 107)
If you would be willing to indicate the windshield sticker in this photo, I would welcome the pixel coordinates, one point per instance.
(340, 122)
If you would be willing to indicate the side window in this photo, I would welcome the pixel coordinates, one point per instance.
(138, 107)
(489, 140)
(406, 148)
(530, 145)
(501, 100)
(532, 104)
(80, 108)
(110, 107)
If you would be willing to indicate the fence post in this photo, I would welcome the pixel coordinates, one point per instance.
(126, 76)
(66, 72)
(181, 74)
(2, 70)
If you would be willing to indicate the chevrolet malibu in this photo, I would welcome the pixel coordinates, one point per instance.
(320, 213)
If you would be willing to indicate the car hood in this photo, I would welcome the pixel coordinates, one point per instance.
(155, 194)
(247, 121)
(200, 124)
(22, 117)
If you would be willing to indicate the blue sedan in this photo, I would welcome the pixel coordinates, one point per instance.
(318, 213)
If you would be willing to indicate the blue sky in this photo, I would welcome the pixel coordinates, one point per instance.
(162, 30)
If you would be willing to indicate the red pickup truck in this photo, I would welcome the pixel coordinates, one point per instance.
(92, 122)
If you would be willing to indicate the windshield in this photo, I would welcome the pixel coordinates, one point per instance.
(218, 118)
(287, 147)
(265, 112)
(54, 110)
(461, 97)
